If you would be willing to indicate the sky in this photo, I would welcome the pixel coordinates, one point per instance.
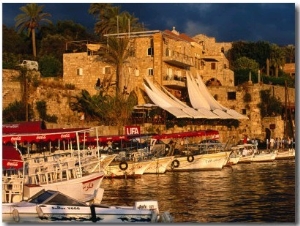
(225, 21)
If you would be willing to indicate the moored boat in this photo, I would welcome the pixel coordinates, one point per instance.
(245, 152)
(49, 206)
(22, 180)
(126, 169)
(213, 161)
(159, 165)
(285, 154)
(264, 156)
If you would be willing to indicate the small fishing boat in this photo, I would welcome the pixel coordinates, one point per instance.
(285, 154)
(49, 206)
(264, 156)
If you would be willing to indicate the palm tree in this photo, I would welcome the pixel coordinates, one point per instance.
(31, 19)
(116, 53)
(111, 20)
(106, 15)
(104, 108)
(277, 58)
(290, 53)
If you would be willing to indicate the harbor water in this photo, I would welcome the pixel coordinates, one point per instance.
(256, 192)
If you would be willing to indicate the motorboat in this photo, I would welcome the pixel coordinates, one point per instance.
(49, 206)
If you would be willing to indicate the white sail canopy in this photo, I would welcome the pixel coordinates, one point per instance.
(159, 101)
(199, 99)
(215, 104)
(203, 103)
(173, 101)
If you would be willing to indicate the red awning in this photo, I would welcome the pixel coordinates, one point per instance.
(11, 158)
(62, 135)
(23, 127)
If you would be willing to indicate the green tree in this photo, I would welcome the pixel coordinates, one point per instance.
(258, 52)
(269, 105)
(50, 66)
(116, 53)
(290, 53)
(277, 58)
(14, 112)
(111, 20)
(246, 63)
(31, 19)
(105, 108)
(53, 45)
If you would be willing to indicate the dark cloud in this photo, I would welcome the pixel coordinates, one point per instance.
(272, 22)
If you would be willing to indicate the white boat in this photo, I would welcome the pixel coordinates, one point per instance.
(94, 164)
(245, 152)
(50, 206)
(285, 154)
(213, 161)
(159, 165)
(126, 169)
(23, 180)
(233, 160)
(264, 156)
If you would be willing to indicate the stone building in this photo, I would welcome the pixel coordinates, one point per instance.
(167, 57)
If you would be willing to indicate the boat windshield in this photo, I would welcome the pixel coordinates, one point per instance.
(50, 197)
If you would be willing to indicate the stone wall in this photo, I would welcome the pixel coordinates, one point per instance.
(57, 97)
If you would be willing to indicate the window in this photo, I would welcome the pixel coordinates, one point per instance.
(150, 51)
(231, 95)
(168, 52)
(107, 70)
(244, 111)
(213, 66)
(79, 71)
(150, 71)
(136, 72)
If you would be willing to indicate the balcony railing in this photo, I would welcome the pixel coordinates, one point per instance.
(179, 59)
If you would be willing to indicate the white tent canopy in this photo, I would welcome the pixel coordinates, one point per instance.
(203, 103)
(215, 104)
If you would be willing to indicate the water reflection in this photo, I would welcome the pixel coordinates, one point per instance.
(257, 192)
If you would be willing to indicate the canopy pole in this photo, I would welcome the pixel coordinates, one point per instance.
(98, 149)
(78, 148)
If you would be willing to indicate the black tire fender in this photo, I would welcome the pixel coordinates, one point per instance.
(123, 165)
(190, 158)
(175, 163)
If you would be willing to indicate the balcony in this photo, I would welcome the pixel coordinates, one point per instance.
(179, 60)
(174, 81)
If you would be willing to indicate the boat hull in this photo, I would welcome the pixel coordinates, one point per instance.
(76, 214)
(159, 165)
(264, 157)
(214, 161)
(126, 169)
(82, 188)
(288, 154)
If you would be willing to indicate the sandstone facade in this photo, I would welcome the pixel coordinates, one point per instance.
(166, 58)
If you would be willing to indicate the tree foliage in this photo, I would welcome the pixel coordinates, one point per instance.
(258, 51)
(31, 19)
(110, 19)
(245, 63)
(104, 108)
(14, 112)
(269, 105)
(50, 66)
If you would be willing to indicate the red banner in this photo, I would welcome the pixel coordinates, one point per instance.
(132, 130)
(11, 157)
